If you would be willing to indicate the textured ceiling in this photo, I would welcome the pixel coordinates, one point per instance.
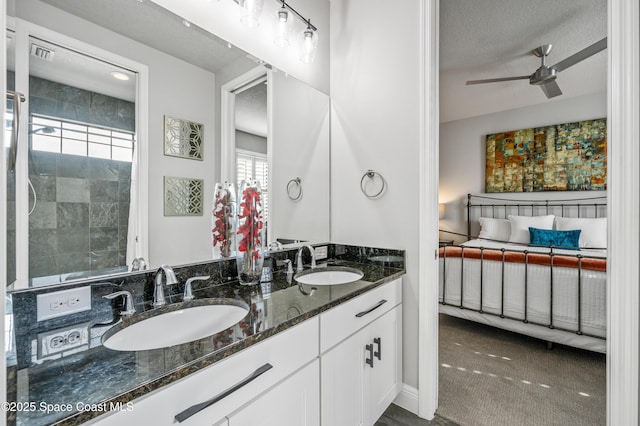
(494, 38)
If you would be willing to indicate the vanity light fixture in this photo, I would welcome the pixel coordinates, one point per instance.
(250, 12)
(250, 16)
(283, 25)
(120, 76)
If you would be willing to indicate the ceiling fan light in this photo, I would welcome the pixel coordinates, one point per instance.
(309, 45)
(283, 25)
(250, 12)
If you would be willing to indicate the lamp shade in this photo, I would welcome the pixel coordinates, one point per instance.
(441, 211)
(309, 45)
(282, 27)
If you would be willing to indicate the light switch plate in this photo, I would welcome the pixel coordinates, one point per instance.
(61, 303)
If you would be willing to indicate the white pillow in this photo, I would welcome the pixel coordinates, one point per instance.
(520, 226)
(593, 230)
(494, 229)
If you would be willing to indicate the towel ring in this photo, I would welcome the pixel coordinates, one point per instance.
(371, 175)
(294, 189)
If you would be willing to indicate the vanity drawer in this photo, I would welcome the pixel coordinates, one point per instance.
(160, 407)
(342, 321)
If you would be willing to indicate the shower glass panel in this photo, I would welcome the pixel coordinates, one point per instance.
(81, 147)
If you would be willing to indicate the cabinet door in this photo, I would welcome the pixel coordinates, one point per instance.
(383, 381)
(342, 378)
(294, 402)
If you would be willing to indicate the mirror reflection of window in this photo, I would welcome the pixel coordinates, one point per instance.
(81, 147)
(251, 165)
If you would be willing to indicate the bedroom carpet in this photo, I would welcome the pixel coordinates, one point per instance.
(491, 377)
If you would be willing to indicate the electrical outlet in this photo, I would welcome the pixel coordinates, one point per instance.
(62, 339)
(321, 252)
(61, 303)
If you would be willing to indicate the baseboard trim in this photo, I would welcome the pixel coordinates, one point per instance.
(408, 399)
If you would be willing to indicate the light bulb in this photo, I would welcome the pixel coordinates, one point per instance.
(250, 12)
(309, 45)
(282, 27)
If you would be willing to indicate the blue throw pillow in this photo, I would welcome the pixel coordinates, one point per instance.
(552, 237)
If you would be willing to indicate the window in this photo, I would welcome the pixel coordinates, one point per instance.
(252, 165)
(67, 137)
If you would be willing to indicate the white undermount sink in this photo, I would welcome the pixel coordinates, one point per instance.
(331, 275)
(175, 327)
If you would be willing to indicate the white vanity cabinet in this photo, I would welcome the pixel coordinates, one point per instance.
(295, 402)
(286, 353)
(342, 367)
(361, 359)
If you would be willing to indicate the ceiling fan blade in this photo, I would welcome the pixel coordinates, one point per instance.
(551, 89)
(581, 55)
(496, 80)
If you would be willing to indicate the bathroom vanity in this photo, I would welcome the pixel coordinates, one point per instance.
(303, 355)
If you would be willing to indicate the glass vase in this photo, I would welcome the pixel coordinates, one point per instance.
(223, 232)
(250, 233)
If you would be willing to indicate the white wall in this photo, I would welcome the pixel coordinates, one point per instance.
(462, 152)
(177, 89)
(300, 148)
(222, 18)
(375, 124)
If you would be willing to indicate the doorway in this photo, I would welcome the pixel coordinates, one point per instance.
(622, 342)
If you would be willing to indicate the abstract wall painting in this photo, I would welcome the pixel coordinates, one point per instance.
(562, 157)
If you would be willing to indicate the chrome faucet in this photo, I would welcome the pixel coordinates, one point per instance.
(188, 294)
(158, 290)
(299, 266)
(128, 308)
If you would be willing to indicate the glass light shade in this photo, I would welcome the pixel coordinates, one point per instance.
(250, 12)
(309, 45)
(282, 27)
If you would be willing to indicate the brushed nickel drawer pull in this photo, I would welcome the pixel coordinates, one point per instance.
(194, 409)
(363, 313)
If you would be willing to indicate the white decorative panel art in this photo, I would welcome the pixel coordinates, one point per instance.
(183, 138)
(183, 196)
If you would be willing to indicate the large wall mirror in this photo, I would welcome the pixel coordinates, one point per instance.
(92, 241)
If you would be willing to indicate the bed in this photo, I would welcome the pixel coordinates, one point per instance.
(551, 291)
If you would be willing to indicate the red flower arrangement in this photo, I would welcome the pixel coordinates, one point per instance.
(222, 232)
(251, 228)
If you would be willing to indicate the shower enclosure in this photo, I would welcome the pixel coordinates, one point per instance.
(70, 193)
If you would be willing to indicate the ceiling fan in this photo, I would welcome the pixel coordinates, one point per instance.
(545, 76)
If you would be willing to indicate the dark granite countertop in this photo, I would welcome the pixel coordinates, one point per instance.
(85, 384)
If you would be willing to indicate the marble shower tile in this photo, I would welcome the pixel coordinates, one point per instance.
(73, 166)
(104, 191)
(102, 169)
(72, 190)
(75, 262)
(42, 163)
(103, 215)
(43, 216)
(44, 187)
(73, 215)
(104, 259)
(104, 239)
(73, 240)
(43, 242)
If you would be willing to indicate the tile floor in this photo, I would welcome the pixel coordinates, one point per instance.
(396, 416)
